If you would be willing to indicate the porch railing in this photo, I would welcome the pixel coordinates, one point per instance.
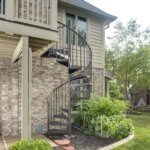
(2, 7)
(36, 12)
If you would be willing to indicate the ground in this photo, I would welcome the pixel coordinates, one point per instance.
(142, 133)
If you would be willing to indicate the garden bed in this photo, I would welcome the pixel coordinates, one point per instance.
(85, 142)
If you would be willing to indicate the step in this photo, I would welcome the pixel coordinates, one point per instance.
(56, 132)
(79, 77)
(80, 85)
(73, 69)
(63, 62)
(56, 123)
(61, 116)
(65, 110)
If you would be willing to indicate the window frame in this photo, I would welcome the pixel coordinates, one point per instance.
(76, 22)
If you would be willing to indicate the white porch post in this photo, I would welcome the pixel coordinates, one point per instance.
(26, 89)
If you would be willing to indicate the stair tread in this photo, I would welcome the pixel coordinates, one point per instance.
(56, 123)
(81, 85)
(65, 110)
(56, 132)
(74, 68)
(61, 116)
(78, 77)
(63, 61)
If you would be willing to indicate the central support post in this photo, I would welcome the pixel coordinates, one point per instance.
(26, 89)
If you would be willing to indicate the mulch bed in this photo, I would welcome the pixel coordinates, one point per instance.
(84, 142)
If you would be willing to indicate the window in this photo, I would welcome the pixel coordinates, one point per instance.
(79, 24)
(81, 30)
(70, 21)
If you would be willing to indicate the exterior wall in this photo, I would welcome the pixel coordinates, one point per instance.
(95, 38)
(98, 82)
(95, 33)
(44, 78)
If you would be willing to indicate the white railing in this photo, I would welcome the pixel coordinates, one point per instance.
(37, 12)
(34, 11)
(2, 7)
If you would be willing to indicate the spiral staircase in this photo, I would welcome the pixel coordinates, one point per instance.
(75, 53)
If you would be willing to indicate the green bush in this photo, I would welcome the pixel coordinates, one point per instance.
(31, 145)
(118, 127)
(104, 114)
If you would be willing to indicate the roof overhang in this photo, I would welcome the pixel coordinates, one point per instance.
(82, 4)
(108, 76)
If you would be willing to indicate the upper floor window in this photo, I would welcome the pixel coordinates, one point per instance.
(81, 29)
(2, 6)
(79, 24)
(70, 21)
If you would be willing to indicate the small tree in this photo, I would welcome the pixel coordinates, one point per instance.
(128, 57)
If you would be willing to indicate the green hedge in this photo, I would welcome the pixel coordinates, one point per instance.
(106, 115)
(31, 145)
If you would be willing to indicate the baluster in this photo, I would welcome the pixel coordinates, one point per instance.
(56, 101)
(28, 9)
(33, 10)
(43, 4)
(62, 97)
(65, 96)
(17, 7)
(76, 50)
(80, 55)
(47, 11)
(52, 106)
(2, 6)
(38, 11)
(84, 56)
(48, 110)
(22, 11)
(72, 42)
(69, 47)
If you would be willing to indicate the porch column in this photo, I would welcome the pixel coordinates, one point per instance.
(26, 89)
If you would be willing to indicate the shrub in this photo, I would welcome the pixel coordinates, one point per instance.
(119, 127)
(104, 114)
(31, 145)
(94, 107)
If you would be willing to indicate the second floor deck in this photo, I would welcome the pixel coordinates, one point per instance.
(35, 18)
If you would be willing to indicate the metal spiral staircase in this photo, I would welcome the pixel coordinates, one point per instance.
(73, 52)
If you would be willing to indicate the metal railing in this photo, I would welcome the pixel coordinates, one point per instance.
(75, 55)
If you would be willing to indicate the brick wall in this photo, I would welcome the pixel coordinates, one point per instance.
(98, 82)
(47, 74)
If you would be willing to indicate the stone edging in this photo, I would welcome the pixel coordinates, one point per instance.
(117, 144)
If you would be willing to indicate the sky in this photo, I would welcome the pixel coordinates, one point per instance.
(125, 10)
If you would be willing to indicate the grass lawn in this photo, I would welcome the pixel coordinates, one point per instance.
(142, 133)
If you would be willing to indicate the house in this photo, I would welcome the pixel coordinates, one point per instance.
(140, 98)
(51, 57)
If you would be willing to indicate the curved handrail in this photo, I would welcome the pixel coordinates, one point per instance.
(77, 34)
(58, 93)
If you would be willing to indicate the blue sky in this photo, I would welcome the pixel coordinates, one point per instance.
(125, 10)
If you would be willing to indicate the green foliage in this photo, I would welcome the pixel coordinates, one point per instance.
(141, 140)
(114, 91)
(31, 145)
(128, 57)
(104, 115)
(119, 127)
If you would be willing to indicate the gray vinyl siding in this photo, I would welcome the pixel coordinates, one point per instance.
(96, 40)
(95, 37)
